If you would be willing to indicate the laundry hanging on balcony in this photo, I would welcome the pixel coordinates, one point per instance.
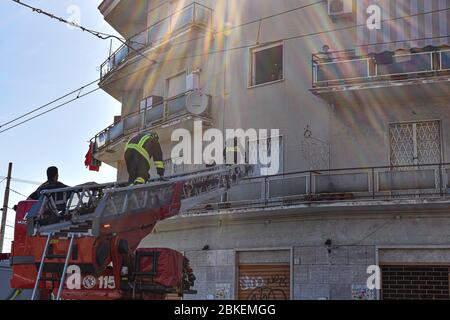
(90, 162)
(405, 24)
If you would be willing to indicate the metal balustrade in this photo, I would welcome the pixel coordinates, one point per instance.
(444, 58)
(146, 118)
(172, 168)
(341, 70)
(89, 207)
(338, 185)
(406, 64)
(331, 69)
(194, 14)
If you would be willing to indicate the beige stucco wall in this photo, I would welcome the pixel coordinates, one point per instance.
(355, 128)
(287, 105)
(360, 132)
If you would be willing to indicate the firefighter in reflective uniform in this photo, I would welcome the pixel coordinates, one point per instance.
(139, 152)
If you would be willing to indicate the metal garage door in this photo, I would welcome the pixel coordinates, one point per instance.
(264, 282)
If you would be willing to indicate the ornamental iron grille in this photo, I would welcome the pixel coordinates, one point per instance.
(415, 143)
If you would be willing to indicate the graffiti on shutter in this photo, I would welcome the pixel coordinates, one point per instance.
(264, 282)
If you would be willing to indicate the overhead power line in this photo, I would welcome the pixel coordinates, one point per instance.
(239, 48)
(17, 192)
(50, 110)
(98, 34)
(105, 36)
(22, 181)
(49, 103)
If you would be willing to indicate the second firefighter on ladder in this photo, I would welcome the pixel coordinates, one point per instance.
(139, 152)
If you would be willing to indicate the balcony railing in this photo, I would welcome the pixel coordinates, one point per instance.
(147, 118)
(345, 68)
(174, 169)
(194, 14)
(340, 185)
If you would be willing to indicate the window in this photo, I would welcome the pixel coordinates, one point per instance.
(415, 143)
(176, 85)
(267, 64)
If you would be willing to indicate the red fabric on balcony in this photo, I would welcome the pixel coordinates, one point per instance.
(90, 162)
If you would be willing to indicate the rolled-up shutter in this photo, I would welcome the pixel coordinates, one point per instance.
(264, 282)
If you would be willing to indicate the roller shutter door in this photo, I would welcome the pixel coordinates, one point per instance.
(264, 282)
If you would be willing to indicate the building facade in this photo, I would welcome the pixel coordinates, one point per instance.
(359, 91)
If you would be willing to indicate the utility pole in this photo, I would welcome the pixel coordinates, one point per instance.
(5, 207)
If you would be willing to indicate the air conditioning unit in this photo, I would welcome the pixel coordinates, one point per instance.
(193, 81)
(337, 8)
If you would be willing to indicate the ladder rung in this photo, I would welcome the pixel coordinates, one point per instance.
(50, 279)
(55, 256)
(45, 255)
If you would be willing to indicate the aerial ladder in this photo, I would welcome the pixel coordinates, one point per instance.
(81, 243)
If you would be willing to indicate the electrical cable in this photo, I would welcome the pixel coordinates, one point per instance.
(230, 49)
(49, 103)
(17, 192)
(98, 34)
(50, 110)
(22, 181)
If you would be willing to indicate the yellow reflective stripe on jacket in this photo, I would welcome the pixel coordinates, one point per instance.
(234, 149)
(144, 139)
(159, 164)
(141, 150)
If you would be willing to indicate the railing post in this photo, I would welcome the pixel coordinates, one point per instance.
(194, 13)
(441, 179)
(373, 184)
(368, 67)
(266, 196)
(313, 71)
(310, 183)
(144, 121)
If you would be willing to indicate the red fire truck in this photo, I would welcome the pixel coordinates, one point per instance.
(82, 243)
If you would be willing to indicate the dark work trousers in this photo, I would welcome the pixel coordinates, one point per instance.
(137, 166)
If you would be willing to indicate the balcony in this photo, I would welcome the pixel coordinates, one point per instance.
(173, 169)
(335, 73)
(164, 117)
(340, 189)
(194, 15)
(125, 18)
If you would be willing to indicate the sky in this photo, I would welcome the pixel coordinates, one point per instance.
(42, 59)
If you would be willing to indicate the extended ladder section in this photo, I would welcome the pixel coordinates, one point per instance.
(82, 210)
(45, 255)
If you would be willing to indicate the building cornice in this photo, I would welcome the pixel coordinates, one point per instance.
(319, 212)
